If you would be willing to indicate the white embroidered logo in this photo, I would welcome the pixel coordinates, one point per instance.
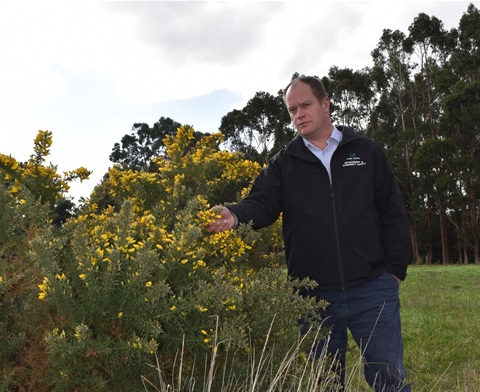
(353, 160)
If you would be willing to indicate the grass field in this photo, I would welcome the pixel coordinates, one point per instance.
(441, 322)
(441, 328)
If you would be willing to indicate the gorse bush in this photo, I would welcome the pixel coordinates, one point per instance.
(38, 183)
(135, 274)
(31, 197)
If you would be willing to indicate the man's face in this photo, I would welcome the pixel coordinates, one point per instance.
(310, 116)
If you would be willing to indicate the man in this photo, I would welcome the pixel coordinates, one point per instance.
(344, 225)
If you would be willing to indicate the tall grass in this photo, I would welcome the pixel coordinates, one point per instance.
(296, 371)
(441, 328)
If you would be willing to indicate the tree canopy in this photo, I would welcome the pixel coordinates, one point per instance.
(138, 148)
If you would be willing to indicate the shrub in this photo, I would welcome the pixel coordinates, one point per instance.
(140, 275)
(32, 196)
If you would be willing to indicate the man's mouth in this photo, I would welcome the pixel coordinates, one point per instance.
(302, 124)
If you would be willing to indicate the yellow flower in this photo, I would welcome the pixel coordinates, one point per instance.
(151, 346)
(81, 331)
(120, 314)
(139, 245)
(148, 284)
(82, 276)
(205, 333)
(43, 288)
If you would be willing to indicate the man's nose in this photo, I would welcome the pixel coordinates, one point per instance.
(299, 113)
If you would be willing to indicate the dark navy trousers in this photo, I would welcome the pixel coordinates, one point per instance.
(371, 311)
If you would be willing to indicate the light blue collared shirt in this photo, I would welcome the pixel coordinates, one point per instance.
(326, 155)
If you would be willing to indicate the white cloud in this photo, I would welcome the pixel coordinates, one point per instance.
(213, 32)
(88, 70)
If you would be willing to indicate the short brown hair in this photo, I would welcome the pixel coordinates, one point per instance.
(318, 89)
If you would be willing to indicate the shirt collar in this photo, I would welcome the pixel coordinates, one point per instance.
(336, 135)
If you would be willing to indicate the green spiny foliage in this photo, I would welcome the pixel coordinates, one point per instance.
(142, 276)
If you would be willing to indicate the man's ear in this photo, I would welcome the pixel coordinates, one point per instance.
(326, 103)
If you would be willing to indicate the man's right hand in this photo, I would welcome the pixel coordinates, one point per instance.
(224, 220)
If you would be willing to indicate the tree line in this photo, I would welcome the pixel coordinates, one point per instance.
(420, 101)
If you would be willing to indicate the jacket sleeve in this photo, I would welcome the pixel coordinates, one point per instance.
(263, 204)
(394, 223)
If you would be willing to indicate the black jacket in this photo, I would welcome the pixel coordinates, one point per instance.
(341, 234)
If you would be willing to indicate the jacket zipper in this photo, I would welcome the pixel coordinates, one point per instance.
(335, 218)
(337, 238)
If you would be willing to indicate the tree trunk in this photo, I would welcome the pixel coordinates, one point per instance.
(465, 252)
(443, 232)
(417, 258)
(459, 236)
(474, 221)
(477, 252)
(429, 256)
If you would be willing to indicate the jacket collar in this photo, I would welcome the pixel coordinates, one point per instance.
(298, 149)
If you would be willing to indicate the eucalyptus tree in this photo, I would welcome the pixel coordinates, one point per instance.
(431, 45)
(465, 59)
(394, 124)
(136, 149)
(435, 160)
(461, 122)
(260, 129)
(352, 97)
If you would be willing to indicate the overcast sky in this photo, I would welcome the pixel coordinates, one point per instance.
(89, 70)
